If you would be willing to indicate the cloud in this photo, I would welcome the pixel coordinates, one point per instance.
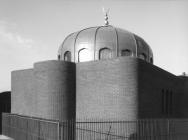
(16, 52)
(13, 39)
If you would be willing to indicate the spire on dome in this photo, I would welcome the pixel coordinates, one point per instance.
(106, 16)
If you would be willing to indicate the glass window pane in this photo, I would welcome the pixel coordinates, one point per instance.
(84, 55)
(142, 56)
(105, 53)
(67, 56)
(151, 60)
(126, 53)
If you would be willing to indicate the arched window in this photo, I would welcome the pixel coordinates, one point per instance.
(151, 60)
(67, 56)
(105, 53)
(84, 55)
(142, 56)
(59, 57)
(126, 52)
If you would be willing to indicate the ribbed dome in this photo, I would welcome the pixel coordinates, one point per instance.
(103, 42)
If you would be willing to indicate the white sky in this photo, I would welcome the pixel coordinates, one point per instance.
(32, 30)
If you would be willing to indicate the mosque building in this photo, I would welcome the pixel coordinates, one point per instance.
(102, 73)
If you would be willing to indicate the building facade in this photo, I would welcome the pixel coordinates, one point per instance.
(102, 73)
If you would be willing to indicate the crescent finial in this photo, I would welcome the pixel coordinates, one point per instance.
(105, 12)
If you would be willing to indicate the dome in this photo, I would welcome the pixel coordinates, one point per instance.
(103, 42)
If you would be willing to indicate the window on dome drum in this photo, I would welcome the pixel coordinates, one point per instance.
(142, 56)
(58, 57)
(105, 53)
(151, 60)
(84, 55)
(67, 56)
(126, 53)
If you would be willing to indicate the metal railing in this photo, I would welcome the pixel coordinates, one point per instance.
(29, 128)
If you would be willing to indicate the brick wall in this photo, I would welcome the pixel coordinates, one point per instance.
(56, 89)
(47, 91)
(153, 82)
(23, 92)
(107, 89)
(183, 97)
(128, 88)
(124, 88)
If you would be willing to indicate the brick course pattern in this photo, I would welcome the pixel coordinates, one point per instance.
(107, 89)
(124, 88)
(47, 91)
